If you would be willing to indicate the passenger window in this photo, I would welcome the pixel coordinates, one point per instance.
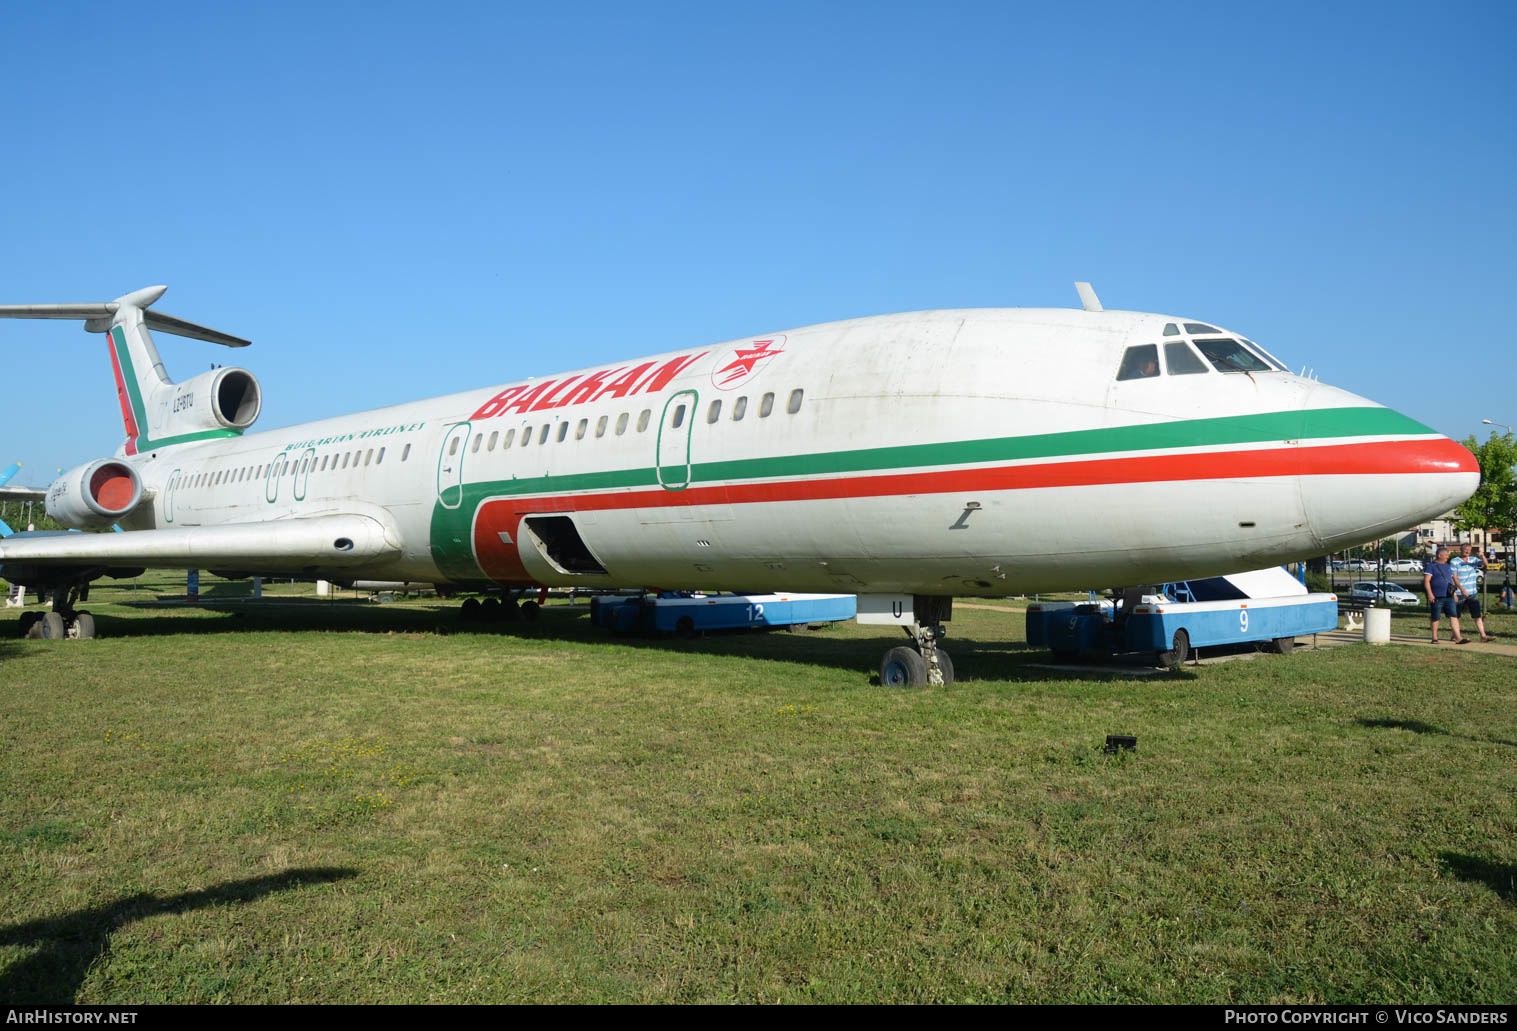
(369, 455)
(642, 420)
(600, 426)
(346, 456)
(542, 437)
(738, 408)
(323, 463)
(1139, 362)
(679, 417)
(493, 438)
(795, 400)
(526, 436)
(379, 457)
(453, 447)
(579, 431)
(478, 440)
(406, 453)
(715, 411)
(621, 424)
(563, 430)
(766, 406)
(1180, 360)
(510, 436)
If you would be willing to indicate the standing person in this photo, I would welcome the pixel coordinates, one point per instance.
(1466, 567)
(1440, 585)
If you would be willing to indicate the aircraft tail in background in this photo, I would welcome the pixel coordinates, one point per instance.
(155, 411)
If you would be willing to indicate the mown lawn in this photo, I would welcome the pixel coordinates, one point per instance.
(303, 801)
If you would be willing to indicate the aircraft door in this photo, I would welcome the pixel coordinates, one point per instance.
(168, 496)
(450, 465)
(271, 478)
(303, 473)
(674, 429)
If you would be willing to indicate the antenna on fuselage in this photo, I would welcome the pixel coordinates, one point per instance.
(1088, 297)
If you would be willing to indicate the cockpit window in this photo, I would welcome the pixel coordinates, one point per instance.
(1200, 327)
(1181, 360)
(1262, 353)
(1139, 362)
(1230, 356)
(1171, 330)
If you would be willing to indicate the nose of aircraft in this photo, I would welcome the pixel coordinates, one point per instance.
(1367, 471)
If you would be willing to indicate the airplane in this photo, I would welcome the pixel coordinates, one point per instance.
(904, 458)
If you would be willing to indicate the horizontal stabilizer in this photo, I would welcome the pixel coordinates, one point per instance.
(99, 316)
(297, 545)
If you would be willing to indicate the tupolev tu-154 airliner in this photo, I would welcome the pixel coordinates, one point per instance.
(904, 458)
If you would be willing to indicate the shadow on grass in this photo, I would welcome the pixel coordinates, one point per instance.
(67, 945)
(973, 659)
(1499, 877)
(1418, 727)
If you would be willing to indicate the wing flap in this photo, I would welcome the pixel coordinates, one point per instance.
(317, 542)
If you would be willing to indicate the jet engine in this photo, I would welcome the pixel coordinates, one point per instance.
(94, 495)
(218, 399)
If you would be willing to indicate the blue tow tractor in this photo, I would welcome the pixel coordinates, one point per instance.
(686, 613)
(1171, 630)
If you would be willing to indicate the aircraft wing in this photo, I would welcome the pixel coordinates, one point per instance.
(308, 545)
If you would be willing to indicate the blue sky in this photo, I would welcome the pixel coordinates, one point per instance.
(397, 200)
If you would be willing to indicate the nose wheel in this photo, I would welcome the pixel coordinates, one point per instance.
(923, 664)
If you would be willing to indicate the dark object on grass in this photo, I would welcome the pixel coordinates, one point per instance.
(1117, 742)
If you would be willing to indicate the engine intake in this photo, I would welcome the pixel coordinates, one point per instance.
(218, 399)
(94, 495)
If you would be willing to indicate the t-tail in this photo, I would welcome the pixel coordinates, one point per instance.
(157, 412)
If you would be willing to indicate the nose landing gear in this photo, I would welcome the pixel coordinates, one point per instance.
(925, 663)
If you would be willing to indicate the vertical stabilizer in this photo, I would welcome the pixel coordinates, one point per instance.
(155, 411)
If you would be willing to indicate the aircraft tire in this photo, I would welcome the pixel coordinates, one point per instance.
(510, 610)
(29, 621)
(684, 629)
(84, 626)
(1176, 656)
(529, 611)
(489, 610)
(1284, 645)
(903, 667)
(469, 610)
(53, 627)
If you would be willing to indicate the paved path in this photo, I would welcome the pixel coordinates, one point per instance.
(1501, 646)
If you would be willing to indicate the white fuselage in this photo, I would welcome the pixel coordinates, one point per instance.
(973, 452)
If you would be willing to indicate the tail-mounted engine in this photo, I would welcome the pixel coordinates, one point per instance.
(219, 399)
(94, 495)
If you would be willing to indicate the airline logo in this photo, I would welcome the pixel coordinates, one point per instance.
(741, 364)
(647, 378)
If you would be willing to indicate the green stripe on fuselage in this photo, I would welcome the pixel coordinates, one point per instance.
(450, 527)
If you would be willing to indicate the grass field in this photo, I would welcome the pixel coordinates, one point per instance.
(336, 802)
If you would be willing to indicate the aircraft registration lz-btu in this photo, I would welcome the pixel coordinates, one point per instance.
(904, 458)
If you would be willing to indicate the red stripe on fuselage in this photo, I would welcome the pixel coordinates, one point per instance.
(500, 561)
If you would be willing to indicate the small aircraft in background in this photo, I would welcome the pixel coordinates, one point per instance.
(904, 458)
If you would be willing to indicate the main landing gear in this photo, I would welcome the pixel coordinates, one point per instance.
(924, 663)
(65, 622)
(506, 608)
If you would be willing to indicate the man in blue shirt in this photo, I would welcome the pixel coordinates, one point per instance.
(1440, 585)
(1466, 567)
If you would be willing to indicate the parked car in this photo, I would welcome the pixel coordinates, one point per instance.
(1404, 565)
(1367, 592)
